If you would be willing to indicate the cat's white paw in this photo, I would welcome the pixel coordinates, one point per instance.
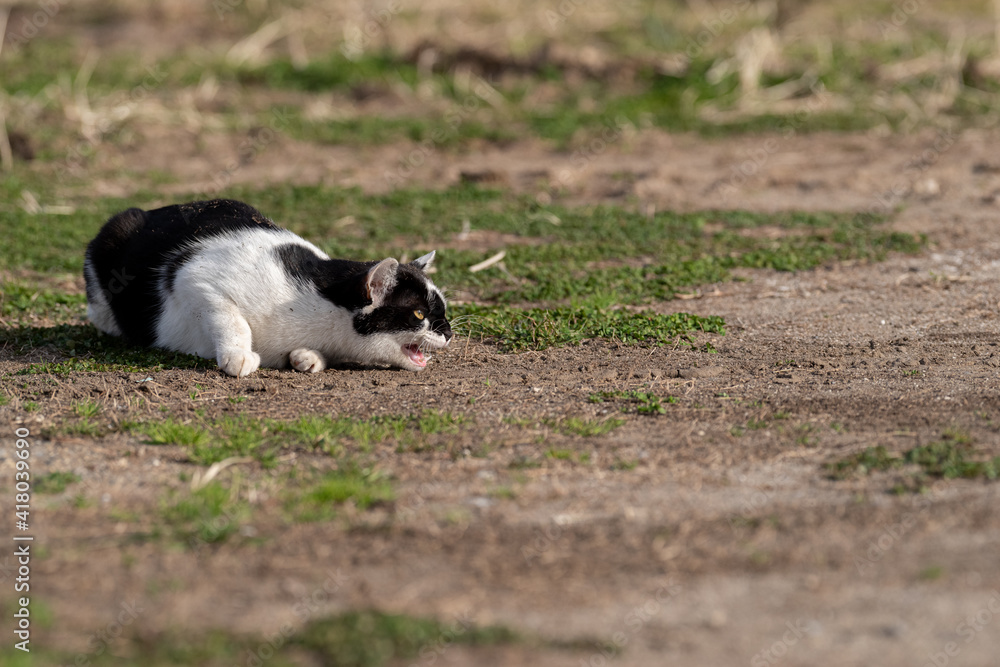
(306, 360)
(238, 362)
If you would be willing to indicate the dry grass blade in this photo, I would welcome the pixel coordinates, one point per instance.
(251, 48)
(486, 263)
(201, 479)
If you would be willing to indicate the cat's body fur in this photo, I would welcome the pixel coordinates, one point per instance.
(220, 280)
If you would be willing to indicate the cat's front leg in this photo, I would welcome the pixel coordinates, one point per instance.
(231, 335)
(306, 360)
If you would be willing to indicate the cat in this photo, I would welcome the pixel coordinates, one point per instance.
(220, 280)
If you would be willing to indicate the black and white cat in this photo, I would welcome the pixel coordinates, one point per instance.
(218, 279)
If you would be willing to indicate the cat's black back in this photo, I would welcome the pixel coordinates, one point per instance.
(136, 247)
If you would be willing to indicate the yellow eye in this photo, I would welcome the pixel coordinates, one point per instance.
(419, 314)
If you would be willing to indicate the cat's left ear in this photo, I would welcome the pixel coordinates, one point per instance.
(381, 279)
(424, 263)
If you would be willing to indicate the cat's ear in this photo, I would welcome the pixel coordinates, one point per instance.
(381, 279)
(424, 263)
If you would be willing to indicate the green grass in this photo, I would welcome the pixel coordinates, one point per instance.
(316, 499)
(209, 441)
(582, 263)
(578, 105)
(517, 329)
(207, 516)
(87, 408)
(170, 432)
(872, 459)
(331, 433)
(356, 638)
(579, 111)
(54, 482)
(332, 72)
(949, 458)
(372, 639)
(19, 301)
(642, 402)
(586, 428)
(88, 350)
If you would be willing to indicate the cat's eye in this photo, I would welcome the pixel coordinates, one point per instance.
(419, 314)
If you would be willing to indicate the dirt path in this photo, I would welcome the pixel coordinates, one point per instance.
(723, 541)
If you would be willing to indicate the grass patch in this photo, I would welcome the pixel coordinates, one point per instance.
(330, 434)
(517, 330)
(207, 516)
(358, 638)
(210, 441)
(586, 428)
(872, 459)
(87, 408)
(950, 458)
(20, 301)
(560, 454)
(642, 402)
(584, 264)
(91, 351)
(171, 432)
(54, 482)
(580, 110)
(372, 639)
(316, 499)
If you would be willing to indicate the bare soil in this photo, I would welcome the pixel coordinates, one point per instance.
(723, 541)
(707, 535)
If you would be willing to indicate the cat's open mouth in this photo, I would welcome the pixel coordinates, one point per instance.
(415, 354)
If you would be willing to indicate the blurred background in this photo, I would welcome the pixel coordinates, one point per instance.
(114, 97)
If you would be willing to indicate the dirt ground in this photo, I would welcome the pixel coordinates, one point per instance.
(724, 542)
(708, 535)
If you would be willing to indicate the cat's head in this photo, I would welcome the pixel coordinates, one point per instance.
(406, 314)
